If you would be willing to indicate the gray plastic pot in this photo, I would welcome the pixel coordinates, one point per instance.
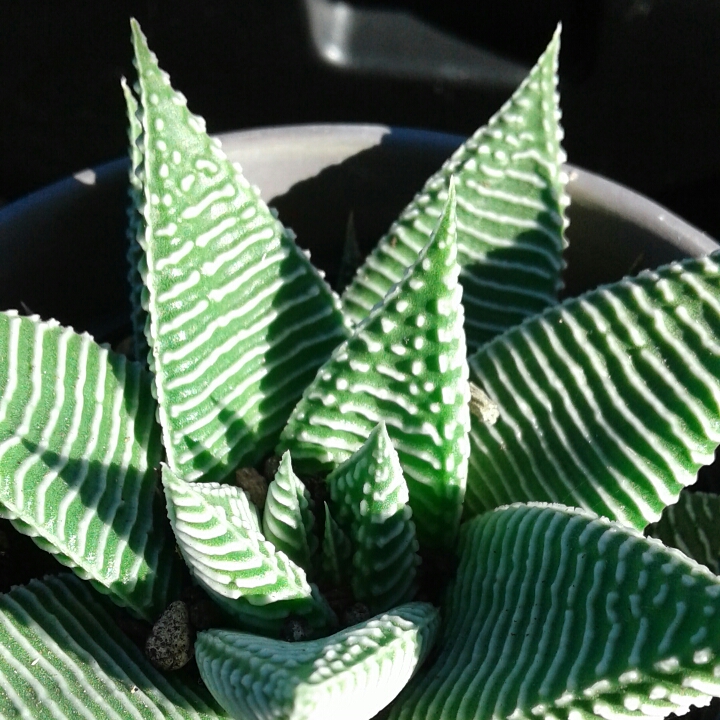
(63, 248)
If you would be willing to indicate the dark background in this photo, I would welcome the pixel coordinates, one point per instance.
(640, 79)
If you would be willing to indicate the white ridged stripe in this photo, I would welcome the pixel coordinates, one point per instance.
(179, 287)
(227, 191)
(183, 318)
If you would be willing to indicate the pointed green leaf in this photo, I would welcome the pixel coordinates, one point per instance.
(136, 229)
(370, 485)
(78, 450)
(240, 319)
(217, 533)
(404, 365)
(511, 215)
(336, 552)
(62, 657)
(351, 675)
(691, 525)
(558, 614)
(288, 518)
(610, 401)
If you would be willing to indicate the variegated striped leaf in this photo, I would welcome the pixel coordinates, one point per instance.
(78, 449)
(558, 614)
(136, 230)
(610, 401)
(405, 365)
(288, 519)
(351, 675)
(217, 534)
(240, 321)
(336, 553)
(62, 657)
(692, 525)
(370, 488)
(511, 215)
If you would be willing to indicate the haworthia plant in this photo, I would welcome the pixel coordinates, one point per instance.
(511, 215)
(62, 657)
(371, 487)
(230, 296)
(352, 674)
(404, 365)
(610, 401)
(691, 525)
(78, 447)
(556, 613)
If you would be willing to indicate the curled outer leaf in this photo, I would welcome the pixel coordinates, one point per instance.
(288, 518)
(691, 525)
(78, 449)
(405, 365)
(336, 552)
(231, 298)
(63, 657)
(556, 613)
(217, 533)
(609, 401)
(370, 485)
(351, 675)
(511, 215)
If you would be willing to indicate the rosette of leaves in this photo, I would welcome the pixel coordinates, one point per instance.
(603, 409)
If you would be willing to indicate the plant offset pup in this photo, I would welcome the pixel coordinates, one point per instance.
(606, 407)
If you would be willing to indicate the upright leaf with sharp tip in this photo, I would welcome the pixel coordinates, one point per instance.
(511, 215)
(404, 365)
(556, 613)
(370, 485)
(231, 297)
(78, 450)
(610, 401)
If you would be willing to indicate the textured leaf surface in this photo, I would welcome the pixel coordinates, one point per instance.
(336, 552)
(240, 319)
(63, 657)
(511, 203)
(288, 518)
(136, 229)
(78, 448)
(558, 614)
(404, 365)
(610, 401)
(371, 489)
(351, 675)
(691, 525)
(216, 530)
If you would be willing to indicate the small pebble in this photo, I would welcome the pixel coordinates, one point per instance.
(355, 614)
(270, 467)
(169, 646)
(295, 629)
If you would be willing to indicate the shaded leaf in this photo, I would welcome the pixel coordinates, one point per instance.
(63, 657)
(556, 613)
(240, 321)
(404, 365)
(511, 215)
(78, 449)
(351, 675)
(610, 401)
(336, 552)
(691, 525)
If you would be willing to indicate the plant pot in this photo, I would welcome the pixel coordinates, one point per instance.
(63, 247)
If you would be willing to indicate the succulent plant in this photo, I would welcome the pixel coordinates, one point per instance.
(446, 417)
